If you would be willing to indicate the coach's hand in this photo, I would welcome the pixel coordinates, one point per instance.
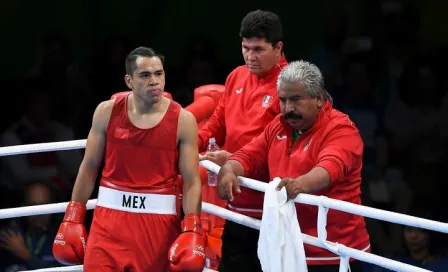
(293, 187)
(227, 181)
(70, 243)
(187, 253)
(218, 157)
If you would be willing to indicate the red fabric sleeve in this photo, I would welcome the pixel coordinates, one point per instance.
(254, 155)
(215, 127)
(341, 152)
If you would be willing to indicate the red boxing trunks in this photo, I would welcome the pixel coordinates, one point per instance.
(131, 232)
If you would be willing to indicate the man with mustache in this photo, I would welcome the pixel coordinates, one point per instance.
(315, 149)
(249, 103)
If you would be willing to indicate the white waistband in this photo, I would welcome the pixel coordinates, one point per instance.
(136, 202)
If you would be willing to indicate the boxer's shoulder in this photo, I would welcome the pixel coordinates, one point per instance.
(105, 107)
(103, 112)
(187, 125)
(187, 116)
(187, 120)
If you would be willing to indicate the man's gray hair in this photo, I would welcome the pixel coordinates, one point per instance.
(306, 73)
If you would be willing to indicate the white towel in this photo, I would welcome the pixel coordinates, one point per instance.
(280, 245)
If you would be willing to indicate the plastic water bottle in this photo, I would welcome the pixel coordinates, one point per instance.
(212, 177)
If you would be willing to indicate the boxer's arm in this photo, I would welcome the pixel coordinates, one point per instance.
(88, 171)
(189, 163)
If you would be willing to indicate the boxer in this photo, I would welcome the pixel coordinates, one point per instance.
(146, 140)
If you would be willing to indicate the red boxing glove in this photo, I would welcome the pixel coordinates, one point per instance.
(187, 253)
(70, 242)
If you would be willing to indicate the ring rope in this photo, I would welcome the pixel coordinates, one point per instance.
(42, 147)
(321, 202)
(74, 268)
(237, 218)
(344, 206)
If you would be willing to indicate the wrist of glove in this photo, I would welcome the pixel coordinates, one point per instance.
(75, 212)
(192, 223)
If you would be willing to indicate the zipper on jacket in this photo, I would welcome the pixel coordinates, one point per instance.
(293, 142)
(292, 146)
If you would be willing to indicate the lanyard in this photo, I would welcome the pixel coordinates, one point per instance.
(40, 244)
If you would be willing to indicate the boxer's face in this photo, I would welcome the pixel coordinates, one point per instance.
(259, 55)
(148, 79)
(298, 108)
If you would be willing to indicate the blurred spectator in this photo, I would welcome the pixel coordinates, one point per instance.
(328, 56)
(399, 25)
(36, 126)
(53, 57)
(442, 60)
(357, 97)
(108, 69)
(412, 118)
(386, 190)
(63, 78)
(199, 67)
(27, 242)
(444, 126)
(413, 142)
(423, 248)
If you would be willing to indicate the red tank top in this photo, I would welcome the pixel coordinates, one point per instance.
(141, 159)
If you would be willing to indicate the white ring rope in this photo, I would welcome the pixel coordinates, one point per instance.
(42, 147)
(243, 220)
(325, 202)
(74, 268)
(320, 201)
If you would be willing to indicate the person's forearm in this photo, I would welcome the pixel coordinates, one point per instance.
(232, 166)
(84, 184)
(315, 180)
(191, 197)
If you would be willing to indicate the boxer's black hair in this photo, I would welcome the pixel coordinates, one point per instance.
(262, 25)
(140, 52)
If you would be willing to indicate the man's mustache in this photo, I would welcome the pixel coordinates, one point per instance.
(292, 115)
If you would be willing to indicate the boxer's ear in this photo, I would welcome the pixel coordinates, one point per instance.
(128, 81)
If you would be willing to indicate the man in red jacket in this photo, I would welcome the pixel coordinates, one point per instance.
(315, 149)
(249, 103)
